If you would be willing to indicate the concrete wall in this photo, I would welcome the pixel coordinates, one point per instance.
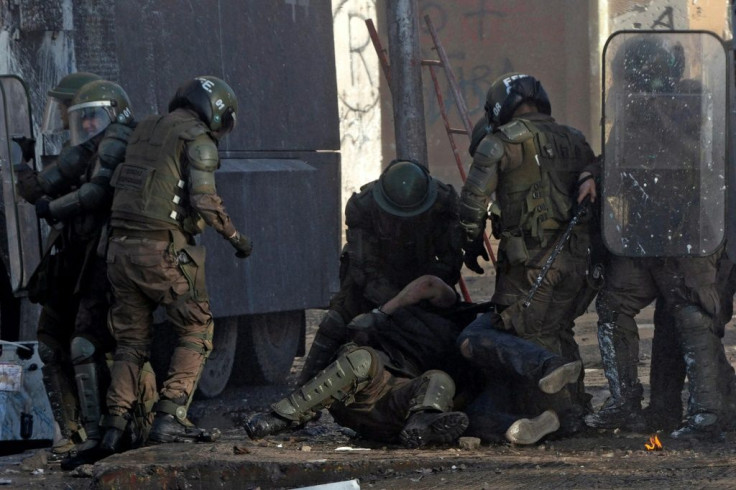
(359, 82)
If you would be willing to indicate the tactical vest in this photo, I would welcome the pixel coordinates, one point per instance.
(150, 187)
(538, 195)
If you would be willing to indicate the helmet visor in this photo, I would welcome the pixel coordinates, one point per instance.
(55, 119)
(88, 120)
(228, 123)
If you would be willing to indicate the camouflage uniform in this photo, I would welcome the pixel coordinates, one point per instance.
(71, 282)
(153, 259)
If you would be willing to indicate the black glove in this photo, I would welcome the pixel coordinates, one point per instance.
(26, 183)
(473, 250)
(27, 146)
(43, 208)
(43, 211)
(242, 244)
(369, 320)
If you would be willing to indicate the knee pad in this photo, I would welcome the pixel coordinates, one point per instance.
(435, 393)
(341, 380)
(50, 353)
(82, 350)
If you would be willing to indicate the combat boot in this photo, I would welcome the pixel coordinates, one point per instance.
(115, 427)
(530, 431)
(701, 427)
(172, 425)
(623, 409)
(265, 424)
(614, 414)
(427, 428)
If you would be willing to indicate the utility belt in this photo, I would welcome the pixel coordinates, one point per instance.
(178, 237)
(515, 245)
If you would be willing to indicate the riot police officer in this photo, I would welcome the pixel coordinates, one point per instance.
(540, 171)
(164, 195)
(662, 248)
(399, 227)
(71, 281)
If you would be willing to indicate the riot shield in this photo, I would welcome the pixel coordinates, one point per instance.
(665, 133)
(21, 240)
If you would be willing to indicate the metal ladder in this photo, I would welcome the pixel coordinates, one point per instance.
(462, 108)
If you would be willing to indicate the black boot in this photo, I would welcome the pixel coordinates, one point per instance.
(172, 425)
(113, 440)
(623, 409)
(167, 428)
(425, 428)
(88, 452)
(701, 427)
(266, 424)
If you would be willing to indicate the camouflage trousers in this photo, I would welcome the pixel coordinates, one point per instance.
(379, 410)
(145, 273)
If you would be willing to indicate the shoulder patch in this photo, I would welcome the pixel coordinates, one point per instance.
(491, 147)
(515, 131)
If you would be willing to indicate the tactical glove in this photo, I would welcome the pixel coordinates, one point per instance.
(26, 183)
(43, 211)
(242, 244)
(474, 249)
(369, 320)
(27, 146)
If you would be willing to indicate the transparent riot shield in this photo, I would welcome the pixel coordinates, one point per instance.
(665, 133)
(21, 240)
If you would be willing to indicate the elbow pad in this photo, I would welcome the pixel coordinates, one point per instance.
(111, 150)
(483, 173)
(203, 161)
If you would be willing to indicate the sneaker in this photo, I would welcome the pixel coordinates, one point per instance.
(425, 428)
(266, 424)
(166, 428)
(559, 377)
(530, 431)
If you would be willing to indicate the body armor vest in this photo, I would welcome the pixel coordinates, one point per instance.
(150, 186)
(538, 194)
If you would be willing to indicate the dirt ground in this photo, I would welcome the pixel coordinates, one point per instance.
(324, 452)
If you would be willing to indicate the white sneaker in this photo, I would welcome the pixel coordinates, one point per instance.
(529, 431)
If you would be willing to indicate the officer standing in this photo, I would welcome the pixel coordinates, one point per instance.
(540, 171)
(663, 242)
(399, 227)
(71, 281)
(164, 195)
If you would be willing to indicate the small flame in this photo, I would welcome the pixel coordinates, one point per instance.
(653, 444)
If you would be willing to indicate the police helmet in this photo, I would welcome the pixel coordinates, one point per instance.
(97, 105)
(59, 98)
(405, 189)
(511, 90)
(651, 64)
(212, 99)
